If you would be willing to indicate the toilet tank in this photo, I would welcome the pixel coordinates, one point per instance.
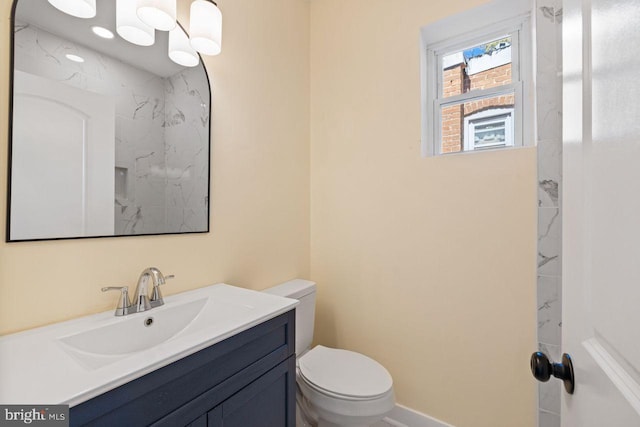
(305, 292)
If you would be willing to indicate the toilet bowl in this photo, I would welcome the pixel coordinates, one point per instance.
(343, 388)
(335, 388)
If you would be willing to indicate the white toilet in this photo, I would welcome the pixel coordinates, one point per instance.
(336, 388)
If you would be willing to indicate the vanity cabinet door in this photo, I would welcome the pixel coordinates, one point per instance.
(200, 422)
(267, 402)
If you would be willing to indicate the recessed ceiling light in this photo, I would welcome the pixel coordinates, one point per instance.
(74, 58)
(102, 32)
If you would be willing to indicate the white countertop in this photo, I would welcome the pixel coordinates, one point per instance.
(37, 368)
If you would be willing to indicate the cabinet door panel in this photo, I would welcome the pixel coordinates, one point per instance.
(214, 417)
(267, 402)
(200, 422)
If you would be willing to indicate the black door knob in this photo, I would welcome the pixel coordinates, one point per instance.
(542, 369)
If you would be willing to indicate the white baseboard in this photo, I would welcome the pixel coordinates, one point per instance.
(401, 416)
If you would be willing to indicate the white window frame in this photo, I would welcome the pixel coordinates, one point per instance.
(488, 116)
(500, 18)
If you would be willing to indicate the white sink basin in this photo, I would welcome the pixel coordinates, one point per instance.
(73, 361)
(136, 332)
(122, 336)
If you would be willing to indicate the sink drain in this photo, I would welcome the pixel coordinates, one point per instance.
(148, 321)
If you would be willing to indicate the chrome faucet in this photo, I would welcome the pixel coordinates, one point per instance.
(142, 301)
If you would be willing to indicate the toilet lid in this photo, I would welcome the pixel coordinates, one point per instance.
(344, 372)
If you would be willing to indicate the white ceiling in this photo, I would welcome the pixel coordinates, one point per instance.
(153, 59)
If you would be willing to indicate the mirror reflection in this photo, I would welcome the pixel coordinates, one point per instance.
(108, 138)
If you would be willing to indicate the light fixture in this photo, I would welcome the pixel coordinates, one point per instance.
(102, 32)
(137, 20)
(74, 58)
(180, 50)
(205, 29)
(160, 14)
(130, 27)
(77, 8)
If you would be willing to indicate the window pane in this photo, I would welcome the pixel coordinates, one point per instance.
(481, 123)
(452, 132)
(490, 134)
(481, 67)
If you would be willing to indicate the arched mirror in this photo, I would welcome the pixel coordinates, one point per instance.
(107, 137)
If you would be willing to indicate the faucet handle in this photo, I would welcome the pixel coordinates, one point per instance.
(161, 281)
(123, 302)
(156, 299)
(115, 288)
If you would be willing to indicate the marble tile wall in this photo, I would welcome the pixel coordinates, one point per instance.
(186, 137)
(549, 113)
(140, 149)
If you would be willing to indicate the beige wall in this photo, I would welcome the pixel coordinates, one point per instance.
(426, 264)
(260, 183)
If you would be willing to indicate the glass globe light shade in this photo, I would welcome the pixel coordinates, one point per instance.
(159, 14)
(180, 50)
(130, 27)
(77, 8)
(205, 28)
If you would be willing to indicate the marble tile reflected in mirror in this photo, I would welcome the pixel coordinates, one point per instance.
(107, 138)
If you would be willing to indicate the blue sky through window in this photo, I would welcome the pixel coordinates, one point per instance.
(483, 49)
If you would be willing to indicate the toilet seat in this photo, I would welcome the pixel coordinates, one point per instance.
(338, 410)
(343, 412)
(343, 374)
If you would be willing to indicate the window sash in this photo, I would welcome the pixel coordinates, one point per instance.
(517, 116)
(519, 29)
(516, 76)
(478, 94)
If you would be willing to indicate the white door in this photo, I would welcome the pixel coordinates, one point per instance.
(62, 160)
(601, 211)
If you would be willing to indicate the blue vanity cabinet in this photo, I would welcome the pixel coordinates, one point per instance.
(247, 380)
(259, 404)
